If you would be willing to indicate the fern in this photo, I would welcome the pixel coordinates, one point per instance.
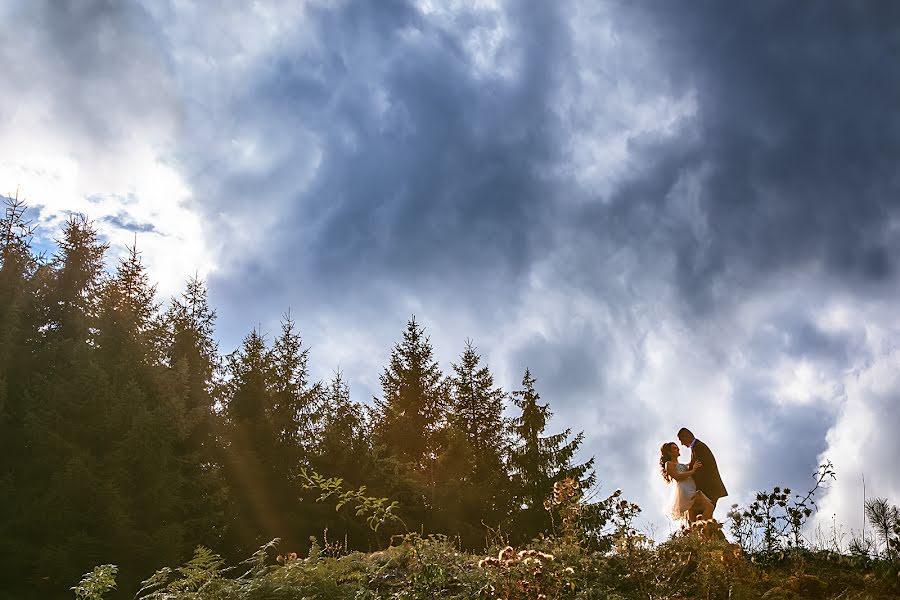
(193, 576)
(95, 584)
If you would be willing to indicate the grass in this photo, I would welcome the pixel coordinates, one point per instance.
(697, 564)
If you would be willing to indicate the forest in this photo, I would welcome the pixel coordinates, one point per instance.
(127, 436)
(130, 442)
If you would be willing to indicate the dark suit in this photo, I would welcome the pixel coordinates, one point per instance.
(707, 477)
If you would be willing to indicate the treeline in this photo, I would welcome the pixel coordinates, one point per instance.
(126, 437)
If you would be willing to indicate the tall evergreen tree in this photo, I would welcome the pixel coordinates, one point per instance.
(248, 439)
(190, 356)
(409, 426)
(478, 437)
(145, 462)
(72, 298)
(273, 425)
(190, 352)
(410, 415)
(294, 412)
(17, 266)
(538, 461)
(129, 326)
(342, 449)
(70, 509)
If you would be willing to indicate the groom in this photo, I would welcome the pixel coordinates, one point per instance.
(707, 476)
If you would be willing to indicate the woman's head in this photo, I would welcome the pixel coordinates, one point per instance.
(668, 451)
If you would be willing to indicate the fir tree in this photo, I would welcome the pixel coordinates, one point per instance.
(191, 354)
(255, 472)
(71, 301)
(294, 412)
(409, 417)
(409, 427)
(128, 310)
(17, 267)
(478, 434)
(342, 449)
(538, 461)
(190, 357)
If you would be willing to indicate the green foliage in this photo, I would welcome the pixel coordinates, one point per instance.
(94, 585)
(409, 416)
(376, 511)
(142, 442)
(537, 461)
(696, 564)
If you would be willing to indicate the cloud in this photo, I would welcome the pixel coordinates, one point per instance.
(672, 217)
(95, 118)
(122, 221)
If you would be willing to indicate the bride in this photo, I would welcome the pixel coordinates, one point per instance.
(687, 502)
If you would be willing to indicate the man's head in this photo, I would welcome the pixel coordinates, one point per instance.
(685, 436)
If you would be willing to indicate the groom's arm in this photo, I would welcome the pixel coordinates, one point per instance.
(701, 453)
(693, 459)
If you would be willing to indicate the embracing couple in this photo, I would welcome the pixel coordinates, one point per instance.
(698, 485)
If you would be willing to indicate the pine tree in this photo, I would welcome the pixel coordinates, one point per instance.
(129, 326)
(342, 449)
(539, 461)
(294, 412)
(190, 357)
(190, 352)
(409, 427)
(17, 268)
(246, 389)
(72, 298)
(254, 470)
(409, 417)
(70, 506)
(478, 434)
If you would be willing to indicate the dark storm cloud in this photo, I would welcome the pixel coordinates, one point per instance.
(363, 162)
(428, 170)
(792, 334)
(796, 134)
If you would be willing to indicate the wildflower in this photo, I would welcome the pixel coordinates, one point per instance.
(569, 570)
(507, 552)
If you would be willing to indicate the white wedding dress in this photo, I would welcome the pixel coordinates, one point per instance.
(682, 497)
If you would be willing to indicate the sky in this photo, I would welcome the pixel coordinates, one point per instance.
(674, 214)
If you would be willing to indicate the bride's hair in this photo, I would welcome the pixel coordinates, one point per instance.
(665, 455)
